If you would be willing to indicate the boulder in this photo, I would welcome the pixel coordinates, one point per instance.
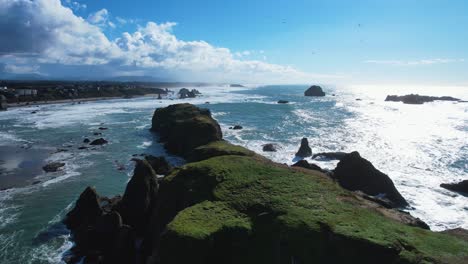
(159, 164)
(314, 90)
(356, 173)
(269, 147)
(418, 99)
(99, 141)
(237, 127)
(139, 197)
(86, 140)
(461, 187)
(283, 102)
(103, 128)
(53, 166)
(86, 210)
(183, 127)
(304, 149)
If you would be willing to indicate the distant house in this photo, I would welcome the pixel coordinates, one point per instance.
(25, 92)
(3, 103)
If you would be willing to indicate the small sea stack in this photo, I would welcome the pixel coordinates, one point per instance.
(314, 90)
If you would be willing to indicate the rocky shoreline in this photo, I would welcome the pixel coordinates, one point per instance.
(230, 205)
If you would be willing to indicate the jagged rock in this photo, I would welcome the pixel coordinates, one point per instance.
(356, 173)
(183, 127)
(186, 93)
(330, 155)
(306, 165)
(269, 147)
(103, 128)
(86, 210)
(283, 102)
(99, 141)
(86, 140)
(159, 164)
(314, 90)
(139, 197)
(304, 149)
(53, 166)
(418, 99)
(461, 187)
(236, 127)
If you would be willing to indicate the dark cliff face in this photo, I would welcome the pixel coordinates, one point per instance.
(183, 127)
(230, 205)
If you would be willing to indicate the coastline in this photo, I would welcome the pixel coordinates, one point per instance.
(79, 100)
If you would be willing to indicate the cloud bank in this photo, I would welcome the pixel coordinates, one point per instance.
(414, 62)
(45, 34)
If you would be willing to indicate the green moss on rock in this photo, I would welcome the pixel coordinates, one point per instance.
(218, 148)
(286, 216)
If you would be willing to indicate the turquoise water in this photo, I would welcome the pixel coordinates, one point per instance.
(418, 146)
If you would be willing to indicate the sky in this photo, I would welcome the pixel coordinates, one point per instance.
(241, 41)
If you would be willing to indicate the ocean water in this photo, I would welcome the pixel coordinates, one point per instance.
(418, 146)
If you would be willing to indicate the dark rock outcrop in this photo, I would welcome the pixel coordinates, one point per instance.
(186, 93)
(283, 102)
(418, 99)
(86, 210)
(53, 166)
(236, 127)
(86, 140)
(159, 164)
(306, 165)
(356, 173)
(269, 147)
(139, 196)
(461, 187)
(99, 141)
(304, 149)
(330, 155)
(314, 90)
(183, 127)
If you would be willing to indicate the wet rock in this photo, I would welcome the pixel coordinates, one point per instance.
(139, 197)
(236, 127)
(103, 128)
(269, 147)
(99, 141)
(283, 102)
(159, 164)
(304, 149)
(53, 166)
(461, 187)
(97, 133)
(86, 140)
(86, 210)
(330, 155)
(356, 173)
(314, 90)
(418, 99)
(83, 147)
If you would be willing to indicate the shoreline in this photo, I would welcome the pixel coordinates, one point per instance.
(78, 100)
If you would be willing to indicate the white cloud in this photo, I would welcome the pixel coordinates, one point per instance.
(414, 62)
(99, 17)
(67, 39)
(76, 6)
(21, 69)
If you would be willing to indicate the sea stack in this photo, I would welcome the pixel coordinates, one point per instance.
(314, 90)
(304, 149)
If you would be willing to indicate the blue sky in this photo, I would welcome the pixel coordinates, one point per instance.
(252, 41)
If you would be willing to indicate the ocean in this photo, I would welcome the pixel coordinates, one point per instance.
(418, 146)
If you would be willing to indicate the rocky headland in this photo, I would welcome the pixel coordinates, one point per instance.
(230, 205)
(418, 99)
